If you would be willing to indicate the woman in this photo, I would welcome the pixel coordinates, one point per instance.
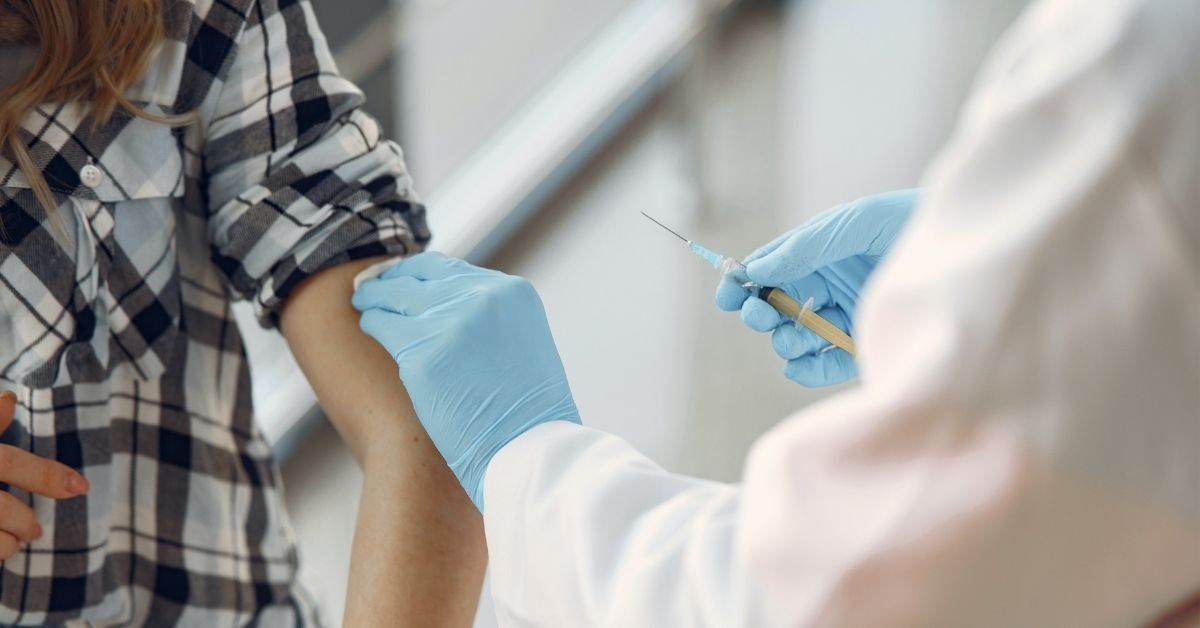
(161, 157)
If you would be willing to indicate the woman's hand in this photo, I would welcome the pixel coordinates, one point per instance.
(18, 523)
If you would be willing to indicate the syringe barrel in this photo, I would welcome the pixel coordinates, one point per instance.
(792, 309)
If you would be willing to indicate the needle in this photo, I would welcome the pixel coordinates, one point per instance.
(667, 228)
(778, 299)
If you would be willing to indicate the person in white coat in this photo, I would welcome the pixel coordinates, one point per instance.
(1023, 448)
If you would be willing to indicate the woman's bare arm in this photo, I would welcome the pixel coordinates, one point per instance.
(419, 553)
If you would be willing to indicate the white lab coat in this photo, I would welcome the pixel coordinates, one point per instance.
(1024, 448)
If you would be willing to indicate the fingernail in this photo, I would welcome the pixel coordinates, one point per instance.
(76, 484)
(37, 532)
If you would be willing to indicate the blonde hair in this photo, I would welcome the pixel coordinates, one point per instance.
(89, 51)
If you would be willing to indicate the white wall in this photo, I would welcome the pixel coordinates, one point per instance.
(467, 65)
(873, 89)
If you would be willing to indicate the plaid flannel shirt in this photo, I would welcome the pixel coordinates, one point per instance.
(120, 342)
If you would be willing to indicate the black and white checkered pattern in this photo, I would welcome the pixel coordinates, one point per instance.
(121, 344)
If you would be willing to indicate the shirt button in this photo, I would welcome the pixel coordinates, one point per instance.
(91, 176)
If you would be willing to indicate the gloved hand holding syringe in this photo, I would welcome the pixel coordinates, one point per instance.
(801, 314)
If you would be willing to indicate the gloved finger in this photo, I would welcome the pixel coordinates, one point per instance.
(823, 369)
(730, 294)
(404, 295)
(397, 333)
(839, 318)
(867, 226)
(768, 247)
(832, 236)
(793, 341)
(760, 316)
(430, 265)
(376, 323)
(888, 212)
(799, 256)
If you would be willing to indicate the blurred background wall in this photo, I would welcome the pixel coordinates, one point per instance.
(537, 129)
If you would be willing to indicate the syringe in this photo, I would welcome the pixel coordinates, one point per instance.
(778, 299)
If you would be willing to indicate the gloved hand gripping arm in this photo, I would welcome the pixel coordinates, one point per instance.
(475, 353)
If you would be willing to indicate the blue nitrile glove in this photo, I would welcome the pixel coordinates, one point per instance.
(828, 259)
(475, 353)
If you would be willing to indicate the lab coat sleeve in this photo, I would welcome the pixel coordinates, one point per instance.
(1022, 450)
(658, 545)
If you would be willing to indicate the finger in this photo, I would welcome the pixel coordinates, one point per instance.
(9, 545)
(379, 324)
(796, 340)
(18, 519)
(867, 226)
(768, 247)
(397, 333)
(839, 318)
(430, 265)
(8, 407)
(412, 297)
(790, 261)
(403, 295)
(792, 341)
(39, 475)
(760, 316)
(889, 211)
(823, 369)
(830, 237)
(730, 294)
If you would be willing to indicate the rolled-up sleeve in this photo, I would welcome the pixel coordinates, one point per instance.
(298, 177)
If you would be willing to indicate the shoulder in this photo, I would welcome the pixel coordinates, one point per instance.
(205, 32)
(199, 44)
(184, 17)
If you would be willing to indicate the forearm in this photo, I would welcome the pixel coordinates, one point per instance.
(419, 554)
